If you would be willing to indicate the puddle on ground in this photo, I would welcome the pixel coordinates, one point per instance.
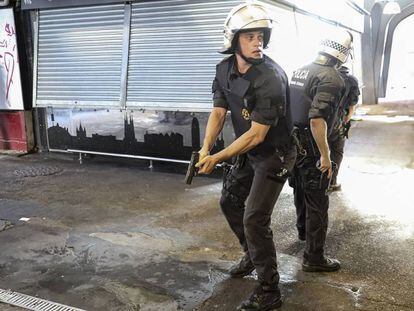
(135, 240)
(136, 298)
(152, 239)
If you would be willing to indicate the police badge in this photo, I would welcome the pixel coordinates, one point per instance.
(246, 114)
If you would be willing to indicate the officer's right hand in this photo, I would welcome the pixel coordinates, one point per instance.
(207, 165)
(326, 165)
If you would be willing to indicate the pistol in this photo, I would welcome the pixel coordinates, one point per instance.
(346, 128)
(192, 170)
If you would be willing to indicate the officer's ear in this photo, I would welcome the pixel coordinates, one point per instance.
(236, 43)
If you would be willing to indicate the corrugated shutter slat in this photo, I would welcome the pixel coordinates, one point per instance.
(80, 55)
(173, 52)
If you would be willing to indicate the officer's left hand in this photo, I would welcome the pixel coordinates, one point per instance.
(207, 164)
(325, 165)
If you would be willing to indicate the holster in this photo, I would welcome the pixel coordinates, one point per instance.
(226, 167)
(240, 161)
(234, 191)
(312, 178)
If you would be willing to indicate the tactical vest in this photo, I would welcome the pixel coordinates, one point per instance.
(239, 91)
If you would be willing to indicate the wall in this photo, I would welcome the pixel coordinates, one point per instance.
(15, 131)
(10, 83)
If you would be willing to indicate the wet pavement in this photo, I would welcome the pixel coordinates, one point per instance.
(112, 234)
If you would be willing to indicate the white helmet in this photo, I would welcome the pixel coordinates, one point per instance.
(246, 16)
(338, 45)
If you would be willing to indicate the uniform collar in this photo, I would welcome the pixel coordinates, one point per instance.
(234, 72)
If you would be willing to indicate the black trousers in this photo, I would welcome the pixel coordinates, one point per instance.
(312, 204)
(336, 145)
(250, 192)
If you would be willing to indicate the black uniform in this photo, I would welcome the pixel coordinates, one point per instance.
(337, 138)
(315, 93)
(260, 95)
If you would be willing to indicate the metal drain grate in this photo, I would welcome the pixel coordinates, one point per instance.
(37, 171)
(32, 303)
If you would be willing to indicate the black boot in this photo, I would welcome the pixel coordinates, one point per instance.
(327, 265)
(334, 187)
(262, 300)
(243, 268)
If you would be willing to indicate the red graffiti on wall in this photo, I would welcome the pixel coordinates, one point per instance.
(9, 65)
(9, 30)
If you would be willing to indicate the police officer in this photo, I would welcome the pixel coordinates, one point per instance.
(316, 90)
(343, 123)
(255, 89)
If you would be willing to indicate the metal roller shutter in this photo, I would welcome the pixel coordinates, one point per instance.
(79, 56)
(173, 53)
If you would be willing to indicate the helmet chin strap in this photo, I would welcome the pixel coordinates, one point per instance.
(250, 60)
